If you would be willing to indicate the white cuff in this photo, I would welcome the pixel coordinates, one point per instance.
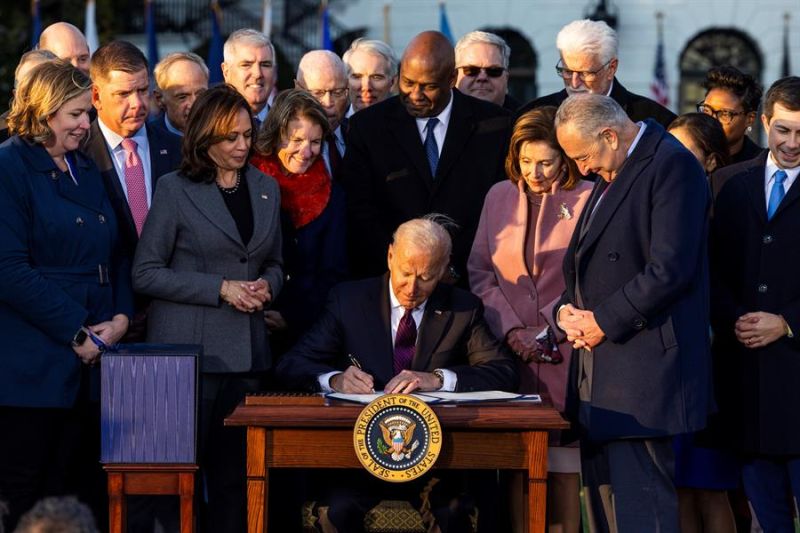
(450, 380)
(324, 381)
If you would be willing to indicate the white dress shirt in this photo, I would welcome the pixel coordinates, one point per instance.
(440, 131)
(114, 143)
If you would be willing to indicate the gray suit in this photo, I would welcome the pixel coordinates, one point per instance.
(189, 244)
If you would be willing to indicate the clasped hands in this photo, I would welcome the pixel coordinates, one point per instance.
(246, 296)
(756, 330)
(580, 326)
(110, 332)
(356, 381)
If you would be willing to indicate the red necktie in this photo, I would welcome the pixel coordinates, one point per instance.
(134, 183)
(405, 342)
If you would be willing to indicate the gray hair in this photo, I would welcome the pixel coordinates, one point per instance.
(58, 514)
(589, 114)
(483, 37)
(161, 72)
(374, 47)
(429, 233)
(313, 59)
(38, 55)
(247, 37)
(589, 37)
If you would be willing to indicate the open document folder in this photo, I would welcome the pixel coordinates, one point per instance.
(444, 397)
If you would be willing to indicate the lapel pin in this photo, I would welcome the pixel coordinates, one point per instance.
(265, 197)
(437, 311)
(163, 152)
(53, 175)
(563, 212)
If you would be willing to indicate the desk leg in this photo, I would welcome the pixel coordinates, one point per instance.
(116, 500)
(257, 480)
(186, 491)
(536, 451)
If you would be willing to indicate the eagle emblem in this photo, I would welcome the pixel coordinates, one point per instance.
(397, 432)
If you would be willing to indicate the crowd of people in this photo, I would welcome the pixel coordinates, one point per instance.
(406, 225)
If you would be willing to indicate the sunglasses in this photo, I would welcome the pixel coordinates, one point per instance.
(493, 72)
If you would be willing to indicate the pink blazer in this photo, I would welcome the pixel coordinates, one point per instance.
(499, 276)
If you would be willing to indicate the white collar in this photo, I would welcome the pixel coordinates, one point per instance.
(114, 139)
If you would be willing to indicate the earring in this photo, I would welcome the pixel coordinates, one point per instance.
(749, 129)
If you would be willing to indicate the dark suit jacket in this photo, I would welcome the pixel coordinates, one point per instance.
(641, 267)
(356, 320)
(165, 157)
(53, 237)
(749, 151)
(754, 268)
(636, 106)
(159, 125)
(388, 181)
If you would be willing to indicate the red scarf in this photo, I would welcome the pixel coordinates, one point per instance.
(303, 196)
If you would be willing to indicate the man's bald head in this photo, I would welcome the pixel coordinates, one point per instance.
(322, 73)
(68, 43)
(427, 74)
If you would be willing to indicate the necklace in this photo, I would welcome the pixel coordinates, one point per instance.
(232, 190)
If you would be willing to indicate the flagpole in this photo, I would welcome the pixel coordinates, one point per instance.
(786, 62)
(266, 18)
(90, 28)
(387, 36)
(36, 23)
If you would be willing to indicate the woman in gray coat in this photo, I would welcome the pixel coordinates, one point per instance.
(210, 258)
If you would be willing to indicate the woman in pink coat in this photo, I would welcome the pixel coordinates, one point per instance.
(515, 268)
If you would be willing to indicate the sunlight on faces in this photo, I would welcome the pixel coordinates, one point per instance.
(368, 81)
(321, 82)
(598, 154)
(540, 165)
(722, 99)
(250, 71)
(482, 55)
(72, 48)
(599, 83)
(414, 273)
(783, 136)
(424, 87)
(70, 125)
(122, 101)
(301, 145)
(231, 152)
(186, 81)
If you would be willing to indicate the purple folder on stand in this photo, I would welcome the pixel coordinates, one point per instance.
(149, 400)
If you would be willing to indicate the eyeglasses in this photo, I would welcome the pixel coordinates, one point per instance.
(725, 116)
(471, 71)
(336, 93)
(583, 75)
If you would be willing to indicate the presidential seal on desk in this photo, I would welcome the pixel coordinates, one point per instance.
(397, 437)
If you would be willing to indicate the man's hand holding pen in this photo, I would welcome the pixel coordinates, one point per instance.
(353, 381)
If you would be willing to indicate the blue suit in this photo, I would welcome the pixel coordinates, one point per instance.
(54, 239)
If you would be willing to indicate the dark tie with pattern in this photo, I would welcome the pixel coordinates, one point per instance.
(431, 146)
(334, 157)
(405, 342)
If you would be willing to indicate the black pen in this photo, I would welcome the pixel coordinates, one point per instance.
(354, 361)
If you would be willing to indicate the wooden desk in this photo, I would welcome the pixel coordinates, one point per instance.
(316, 433)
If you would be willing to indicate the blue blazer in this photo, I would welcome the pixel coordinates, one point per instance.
(641, 266)
(54, 237)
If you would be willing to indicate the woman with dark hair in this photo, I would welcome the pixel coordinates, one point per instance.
(732, 98)
(312, 212)
(210, 258)
(515, 268)
(64, 287)
(703, 475)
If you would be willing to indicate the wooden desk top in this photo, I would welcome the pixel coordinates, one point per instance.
(299, 411)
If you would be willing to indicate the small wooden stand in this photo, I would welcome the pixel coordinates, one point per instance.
(150, 479)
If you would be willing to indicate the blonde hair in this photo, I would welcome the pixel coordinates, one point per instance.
(48, 87)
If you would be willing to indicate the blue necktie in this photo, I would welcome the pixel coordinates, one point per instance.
(776, 194)
(431, 148)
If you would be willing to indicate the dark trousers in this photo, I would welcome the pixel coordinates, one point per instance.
(770, 484)
(630, 486)
(39, 453)
(223, 452)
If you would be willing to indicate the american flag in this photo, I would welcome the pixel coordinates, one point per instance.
(659, 86)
